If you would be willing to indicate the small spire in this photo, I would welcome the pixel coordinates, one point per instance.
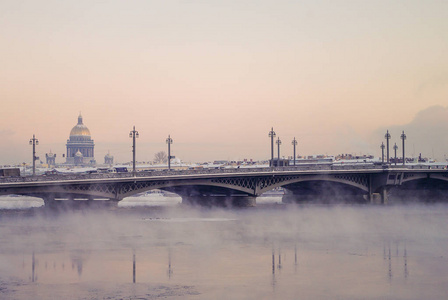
(80, 119)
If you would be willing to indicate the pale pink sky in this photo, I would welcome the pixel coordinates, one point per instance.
(217, 75)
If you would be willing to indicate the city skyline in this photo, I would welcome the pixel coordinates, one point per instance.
(414, 126)
(217, 75)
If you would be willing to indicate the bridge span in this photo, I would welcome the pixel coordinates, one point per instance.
(240, 187)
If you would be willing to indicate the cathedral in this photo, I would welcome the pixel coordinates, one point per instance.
(80, 146)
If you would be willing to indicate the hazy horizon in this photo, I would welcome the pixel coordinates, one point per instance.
(217, 75)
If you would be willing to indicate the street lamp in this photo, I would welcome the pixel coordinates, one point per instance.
(278, 142)
(272, 136)
(403, 137)
(169, 141)
(387, 136)
(133, 134)
(382, 152)
(395, 149)
(294, 143)
(34, 142)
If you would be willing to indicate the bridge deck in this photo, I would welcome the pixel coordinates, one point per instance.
(228, 182)
(192, 174)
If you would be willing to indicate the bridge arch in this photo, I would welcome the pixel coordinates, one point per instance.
(421, 187)
(357, 181)
(187, 188)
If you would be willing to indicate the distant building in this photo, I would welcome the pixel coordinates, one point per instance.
(51, 159)
(78, 159)
(80, 141)
(108, 159)
(280, 162)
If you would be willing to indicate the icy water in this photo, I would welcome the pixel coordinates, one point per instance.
(157, 248)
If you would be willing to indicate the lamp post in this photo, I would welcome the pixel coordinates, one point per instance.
(278, 142)
(403, 137)
(34, 142)
(133, 134)
(169, 141)
(272, 136)
(395, 150)
(294, 143)
(387, 136)
(382, 152)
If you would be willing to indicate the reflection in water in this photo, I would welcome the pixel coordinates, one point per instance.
(390, 264)
(405, 256)
(279, 259)
(295, 258)
(273, 282)
(242, 254)
(170, 270)
(76, 262)
(391, 260)
(133, 267)
(33, 268)
(295, 254)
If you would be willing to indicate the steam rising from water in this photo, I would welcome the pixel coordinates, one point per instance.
(271, 251)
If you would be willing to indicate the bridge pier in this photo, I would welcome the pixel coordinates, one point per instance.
(379, 198)
(384, 195)
(220, 201)
(49, 202)
(374, 198)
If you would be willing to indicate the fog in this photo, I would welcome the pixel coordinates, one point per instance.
(269, 251)
(426, 134)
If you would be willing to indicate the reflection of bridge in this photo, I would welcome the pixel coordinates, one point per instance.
(241, 186)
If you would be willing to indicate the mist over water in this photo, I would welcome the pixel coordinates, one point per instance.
(151, 249)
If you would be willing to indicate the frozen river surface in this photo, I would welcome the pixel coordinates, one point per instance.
(151, 249)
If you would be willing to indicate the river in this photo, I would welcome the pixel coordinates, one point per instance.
(155, 247)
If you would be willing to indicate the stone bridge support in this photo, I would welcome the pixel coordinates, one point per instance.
(384, 195)
(378, 190)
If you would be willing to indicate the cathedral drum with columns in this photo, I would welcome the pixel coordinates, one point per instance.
(80, 145)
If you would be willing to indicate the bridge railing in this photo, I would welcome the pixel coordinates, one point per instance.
(58, 177)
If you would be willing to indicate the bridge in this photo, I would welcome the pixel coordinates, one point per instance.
(240, 187)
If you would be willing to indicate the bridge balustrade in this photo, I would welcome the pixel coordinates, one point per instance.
(203, 171)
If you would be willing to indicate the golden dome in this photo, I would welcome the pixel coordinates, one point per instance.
(80, 128)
